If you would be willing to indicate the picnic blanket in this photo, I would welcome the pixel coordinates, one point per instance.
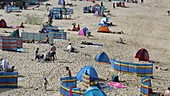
(116, 85)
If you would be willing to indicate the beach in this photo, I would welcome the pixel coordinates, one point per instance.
(145, 26)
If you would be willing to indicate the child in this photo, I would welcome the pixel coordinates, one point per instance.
(45, 83)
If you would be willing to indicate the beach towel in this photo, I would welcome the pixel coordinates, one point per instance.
(116, 85)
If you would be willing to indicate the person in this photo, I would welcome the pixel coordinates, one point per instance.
(53, 51)
(167, 92)
(101, 4)
(45, 83)
(45, 56)
(73, 28)
(5, 65)
(70, 48)
(61, 14)
(36, 54)
(46, 40)
(88, 33)
(103, 15)
(65, 13)
(22, 25)
(168, 13)
(114, 5)
(69, 72)
(107, 23)
(142, 1)
(90, 9)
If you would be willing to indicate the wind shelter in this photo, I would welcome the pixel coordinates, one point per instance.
(102, 58)
(104, 29)
(94, 91)
(83, 32)
(142, 55)
(88, 70)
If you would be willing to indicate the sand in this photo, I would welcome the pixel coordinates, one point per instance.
(145, 26)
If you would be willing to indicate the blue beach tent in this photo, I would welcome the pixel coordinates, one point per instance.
(87, 70)
(102, 58)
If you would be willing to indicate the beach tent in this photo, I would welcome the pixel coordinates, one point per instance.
(61, 2)
(96, 5)
(102, 58)
(101, 23)
(3, 23)
(104, 29)
(87, 70)
(83, 32)
(15, 33)
(94, 91)
(142, 55)
(97, 13)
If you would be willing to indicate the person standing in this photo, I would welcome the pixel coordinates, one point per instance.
(68, 71)
(45, 83)
(53, 52)
(142, 1)
(5, 65)
(167, 92)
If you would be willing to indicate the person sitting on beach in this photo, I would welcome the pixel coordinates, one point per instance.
(107, 23)
(121, 41)
(103, 15)
(68, 71)
(46, 40)
(5, 66)
(53, 51)
(70, 4)
(167, 92)
(45, 56)
(70, 48)
(22, 25)
(73, 28)
(168, 13)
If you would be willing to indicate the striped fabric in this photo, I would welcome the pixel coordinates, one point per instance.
(86, 80)
(128, 67)
(13, 9)
(36, 36)
(8, 79)
(66, 84)
(56, 11)
(8, 43)
(145, 86)
(58, 33)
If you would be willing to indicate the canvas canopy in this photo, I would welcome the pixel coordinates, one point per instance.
(15, 33)
(104, 29)
(97, 13)
(102, 58)
(142, 55)
(83, 32)
(94, 91)
(61, 2)
(87, 70)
